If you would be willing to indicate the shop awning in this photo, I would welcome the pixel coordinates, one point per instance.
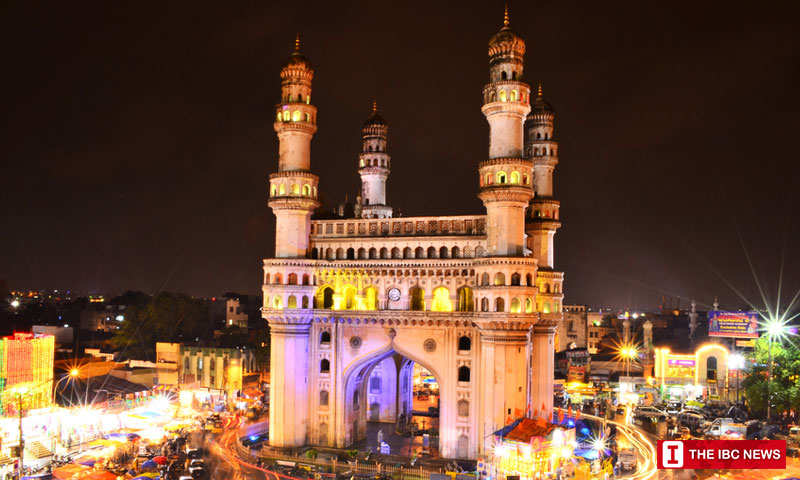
(252, 392)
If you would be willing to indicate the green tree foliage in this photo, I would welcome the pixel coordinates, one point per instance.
(785, 385)
(167, 317)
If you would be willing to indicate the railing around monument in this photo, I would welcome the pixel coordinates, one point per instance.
(267, 455)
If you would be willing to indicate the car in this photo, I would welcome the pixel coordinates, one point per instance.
(255, 440)
(673, 408)
(197, 472)
(194, 453)
(197, 462)
(648, 411)
(626, 459)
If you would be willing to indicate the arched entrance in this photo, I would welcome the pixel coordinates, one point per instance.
(392, 398)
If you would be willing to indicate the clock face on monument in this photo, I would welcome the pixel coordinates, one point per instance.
(394, 294)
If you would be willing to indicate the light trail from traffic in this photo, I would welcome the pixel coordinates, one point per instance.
(646, 470)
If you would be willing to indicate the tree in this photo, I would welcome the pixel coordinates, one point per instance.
(167, 317)
(785, 385)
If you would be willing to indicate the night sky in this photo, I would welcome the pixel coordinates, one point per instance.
(137, 137)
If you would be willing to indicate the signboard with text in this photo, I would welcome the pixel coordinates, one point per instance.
(733, 324)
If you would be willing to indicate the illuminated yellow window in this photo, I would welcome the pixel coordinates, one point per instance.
(308, 99)
(516, 306)
(295, 189)
(513, 96)
(306, 189)
(371, 298)
(514, 177)
(290, 97)
(277, 302)
(279, 117)
(349, 294)
(441, 300)
(417, 298)
(466, 303)
(296, 116)
(282, 190)
(273, 190)
(285, 115)
(502, 95)
(546, 307)
(308, 117)
(528, 305)
(501, 177)
(292, 303)
(488, 179)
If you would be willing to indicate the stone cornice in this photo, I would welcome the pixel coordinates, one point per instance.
(515, 161)
(541, 225)
(505, 193)
(293, 174)
(293, 202)
(291, 126)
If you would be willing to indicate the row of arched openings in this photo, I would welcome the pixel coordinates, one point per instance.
(294, 189)
(502, 178)
(464, 342)
(394, 253)
(291, 279)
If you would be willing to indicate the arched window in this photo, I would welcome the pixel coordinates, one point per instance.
(306, 189)
(362, 253)
(444, 252)
(279, 117)
(441, 300)
(525, 179)
(529, 280)
(373, 253)
(375, 384)
(503, 76)
(513, 96)
(266, 279)
(305, 301)
(300, 97)
(292, 303)
(499, 304)
(305, 279)
(277, 302)
(488, 180)
(464, 343)
(314, 253)
(516, 279)
(465, 300)
(278, 279)
(546, 308)
(419, 252)
(556, 288)
(502, 95)
(308, 117)
(356, 397)
(501, 177)
(351, 253)
(349, 293)
(417, 298)
(325, 298)
(384, 252)
(325, 338)
(325, 366)
(273, 190)
(455, 252)
(323, 398)
(528, 305)
(485, 279)
(463, 374)
(296, 116)
(546, 287)
(499, 279)
(516, 305)
(371, 298)
(282, 189)
(308, 99)
(291, 279)
(493, 97)
(291, 97)
(431, 252)
(329, 253)
(711, 368)
(396, 253)
(514, 178)
(408, 253)
(463, 408)
(295, 189)
(339, 253)
(286, 115)
(484, 304)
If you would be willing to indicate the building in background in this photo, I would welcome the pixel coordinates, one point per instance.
(572, 329)
(692, 374)
(26, 371)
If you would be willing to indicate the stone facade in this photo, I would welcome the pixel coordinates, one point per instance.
(353, 303)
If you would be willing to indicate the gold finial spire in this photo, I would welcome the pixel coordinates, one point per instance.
(540, 90)
(297, 43)
(505, 16)
(374, 106)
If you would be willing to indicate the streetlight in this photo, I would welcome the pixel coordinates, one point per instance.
(15, 303)
(72, 374)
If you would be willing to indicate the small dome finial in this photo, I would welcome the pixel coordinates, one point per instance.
(297, 43)
(374, 106)
(539, 94)
(505, 16)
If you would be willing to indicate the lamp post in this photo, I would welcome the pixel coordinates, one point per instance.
(72, 374)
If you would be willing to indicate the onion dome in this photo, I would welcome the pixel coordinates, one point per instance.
(374, 118)
(296, 60)
(540, 106)
(506, 41)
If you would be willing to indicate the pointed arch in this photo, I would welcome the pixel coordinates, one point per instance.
(419, 252)
(514, 178)
(371, 298)
(499, 304)
(466, 301)
(407, 253)
(441, 300)
(499, 279)
(416, 298)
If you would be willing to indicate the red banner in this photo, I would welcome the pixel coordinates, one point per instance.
(722, 454)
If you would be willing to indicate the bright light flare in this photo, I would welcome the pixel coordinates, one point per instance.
(15, 303)
(736, 361)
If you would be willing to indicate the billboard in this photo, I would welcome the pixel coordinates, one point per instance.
(733, 324)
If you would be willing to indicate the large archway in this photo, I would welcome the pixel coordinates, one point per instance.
(390, 397)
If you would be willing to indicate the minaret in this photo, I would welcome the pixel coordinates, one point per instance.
(293, 189)
(543, 215)
(374, 167)
(505, 178)
(693, 320)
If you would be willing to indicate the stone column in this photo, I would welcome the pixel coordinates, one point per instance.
(288, 414)
(541, 367)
